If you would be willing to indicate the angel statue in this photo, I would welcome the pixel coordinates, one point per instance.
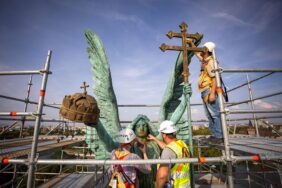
(102, 136)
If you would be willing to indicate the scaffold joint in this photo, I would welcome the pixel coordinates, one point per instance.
(37, 114)
(226, 111)
(44, 71)
(219, 70)
(5, 160)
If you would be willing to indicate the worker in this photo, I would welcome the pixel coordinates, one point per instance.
(172, 175)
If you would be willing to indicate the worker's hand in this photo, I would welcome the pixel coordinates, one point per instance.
(142, 147)
(190, 41)
(211, 97)
(151, 137)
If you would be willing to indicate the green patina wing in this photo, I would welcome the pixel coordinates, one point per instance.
(105, 96)
(172, 96)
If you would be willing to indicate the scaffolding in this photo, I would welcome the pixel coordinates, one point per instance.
(227, 158)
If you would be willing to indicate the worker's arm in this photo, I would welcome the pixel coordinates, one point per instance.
(161, 144)
(209, 68)
(198, 54)
(145, 168)
(162, 175)
(212, 91)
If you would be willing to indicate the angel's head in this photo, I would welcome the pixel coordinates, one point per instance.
(141, 126)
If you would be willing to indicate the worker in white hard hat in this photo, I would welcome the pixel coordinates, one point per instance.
(126, 175)
(207, 87)
(172, 175)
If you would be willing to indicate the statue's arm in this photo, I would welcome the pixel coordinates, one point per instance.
(104, 136)
(177, 114)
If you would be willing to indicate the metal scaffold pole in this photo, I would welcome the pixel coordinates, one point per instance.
(200, 160)
(26, 104)
(32, 161)
(251, 70)
(223, 123)
(252, 105)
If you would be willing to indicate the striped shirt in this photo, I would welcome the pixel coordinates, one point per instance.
(131, 170)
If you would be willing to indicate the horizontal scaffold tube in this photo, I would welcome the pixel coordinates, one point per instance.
(42, 120)
(16, 113)
(237, 87)
(149, 161)
(258, 98)
(254, 111)
(27, 101)
(20, 72)
(250, 70)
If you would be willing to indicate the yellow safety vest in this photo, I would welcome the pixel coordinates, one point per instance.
(180, 172)
(205, 81)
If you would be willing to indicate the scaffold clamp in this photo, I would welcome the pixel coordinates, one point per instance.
(44, 71)
(226, 111)
(219, 69)
(37, 114)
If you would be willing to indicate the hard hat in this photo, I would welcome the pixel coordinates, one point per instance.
(126, 136)
(168, 127)
(210, 46)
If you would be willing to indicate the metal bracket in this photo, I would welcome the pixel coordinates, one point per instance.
(232, 159)
(36, 114)
(226, 111)
(35, 159)
(219, 70)
(44, 71)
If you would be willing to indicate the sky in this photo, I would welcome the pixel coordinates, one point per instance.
(247, 34)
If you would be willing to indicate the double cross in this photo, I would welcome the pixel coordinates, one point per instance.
(84, 86)
(186, 39)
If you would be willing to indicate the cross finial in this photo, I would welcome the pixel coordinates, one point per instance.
(187, 39)
(183, 26)
(84, 86)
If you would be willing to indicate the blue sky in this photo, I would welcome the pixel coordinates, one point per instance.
(247, 34)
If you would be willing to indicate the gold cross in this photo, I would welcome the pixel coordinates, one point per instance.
(186, 39)
(84, 86)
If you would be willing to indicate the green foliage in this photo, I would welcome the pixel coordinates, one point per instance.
(202, 131)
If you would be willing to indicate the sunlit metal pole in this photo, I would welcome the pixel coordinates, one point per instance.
(32, 162)
(148, 161)
(26, 104)
(251, 70)
(252, 105)
(223, 122)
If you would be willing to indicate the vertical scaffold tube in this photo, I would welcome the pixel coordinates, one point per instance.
(252, 104)
(189, 121)
(32, 162)
(26, 104)
(223, 122)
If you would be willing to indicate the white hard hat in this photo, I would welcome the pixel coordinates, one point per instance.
(126, 136)
(210, 46)
(168, 127)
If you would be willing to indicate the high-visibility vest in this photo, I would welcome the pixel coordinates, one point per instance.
(180, 172)
(205, 81)
(118, 175)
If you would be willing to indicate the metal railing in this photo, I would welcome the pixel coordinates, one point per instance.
(32, 161)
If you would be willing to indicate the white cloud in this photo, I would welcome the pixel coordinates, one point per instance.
(231, 18)
(134, 72)
(117, 16)
(264, 105)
